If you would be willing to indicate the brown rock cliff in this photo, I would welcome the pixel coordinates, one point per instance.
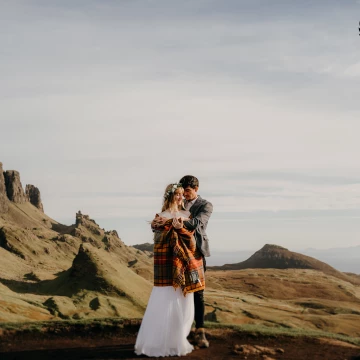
(14, 189)
(3, 197)
(33, 195)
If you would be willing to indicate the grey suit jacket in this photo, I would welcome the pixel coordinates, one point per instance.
(200, 212)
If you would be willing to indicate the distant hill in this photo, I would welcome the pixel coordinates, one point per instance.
(277, 257)
(144, 247)
(346, 259)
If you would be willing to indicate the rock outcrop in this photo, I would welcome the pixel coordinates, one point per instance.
(3, 197)
(14, 189)
(33, 195)
(86, 222)
(89, 231)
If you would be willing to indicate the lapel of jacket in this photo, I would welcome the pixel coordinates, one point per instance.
(196, 205)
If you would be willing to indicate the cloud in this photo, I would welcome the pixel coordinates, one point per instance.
(353, 70)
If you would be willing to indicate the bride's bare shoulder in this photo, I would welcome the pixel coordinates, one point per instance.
(164, 214)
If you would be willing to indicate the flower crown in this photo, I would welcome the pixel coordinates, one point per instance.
(172, 190)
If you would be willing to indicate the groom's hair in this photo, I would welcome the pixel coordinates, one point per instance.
(189, 180)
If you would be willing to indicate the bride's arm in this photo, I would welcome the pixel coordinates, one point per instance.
(158, 221)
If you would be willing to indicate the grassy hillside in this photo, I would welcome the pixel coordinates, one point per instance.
(289, 299)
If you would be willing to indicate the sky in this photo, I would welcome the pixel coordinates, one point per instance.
(104, 103)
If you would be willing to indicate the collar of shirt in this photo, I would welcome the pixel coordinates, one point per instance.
(189, 204)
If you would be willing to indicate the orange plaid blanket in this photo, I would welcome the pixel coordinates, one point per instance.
(177, 261)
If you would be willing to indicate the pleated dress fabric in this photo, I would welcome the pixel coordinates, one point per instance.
(166, 323)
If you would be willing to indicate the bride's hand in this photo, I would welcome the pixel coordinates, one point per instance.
(178, 223)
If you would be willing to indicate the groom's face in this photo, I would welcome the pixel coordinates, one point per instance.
(190, 193)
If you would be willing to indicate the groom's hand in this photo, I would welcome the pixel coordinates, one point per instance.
(178, 223)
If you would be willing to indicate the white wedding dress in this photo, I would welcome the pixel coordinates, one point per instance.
(167, 320)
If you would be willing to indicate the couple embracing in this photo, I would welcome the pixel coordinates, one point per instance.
(177, 298)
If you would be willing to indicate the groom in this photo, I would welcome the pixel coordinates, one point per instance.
(200, 210)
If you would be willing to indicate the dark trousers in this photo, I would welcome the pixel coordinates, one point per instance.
(199, 305)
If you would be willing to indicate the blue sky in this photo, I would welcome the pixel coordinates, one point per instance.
(103, 103)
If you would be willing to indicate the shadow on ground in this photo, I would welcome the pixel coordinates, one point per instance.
(105, 352)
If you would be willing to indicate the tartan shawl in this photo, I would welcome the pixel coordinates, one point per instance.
(177, 261)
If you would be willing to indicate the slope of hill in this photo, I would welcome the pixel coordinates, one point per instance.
(285, 298)
(98, 271)
(50, 247)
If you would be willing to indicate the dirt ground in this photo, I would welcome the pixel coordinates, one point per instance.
(120, 346)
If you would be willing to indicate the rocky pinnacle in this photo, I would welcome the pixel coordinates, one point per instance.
(14, 189)
(3, 197)
(33, 195)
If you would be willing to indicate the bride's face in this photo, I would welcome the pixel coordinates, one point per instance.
(178, 198)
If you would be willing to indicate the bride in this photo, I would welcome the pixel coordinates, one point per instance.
(178, 273)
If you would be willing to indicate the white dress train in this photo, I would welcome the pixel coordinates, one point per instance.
(166, 323)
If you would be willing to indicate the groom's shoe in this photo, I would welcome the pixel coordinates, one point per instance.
(200, 338)
(191, 336)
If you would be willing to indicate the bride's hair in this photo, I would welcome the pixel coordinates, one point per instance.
(169, 196)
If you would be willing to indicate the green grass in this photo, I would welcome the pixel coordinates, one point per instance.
(328, 309)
